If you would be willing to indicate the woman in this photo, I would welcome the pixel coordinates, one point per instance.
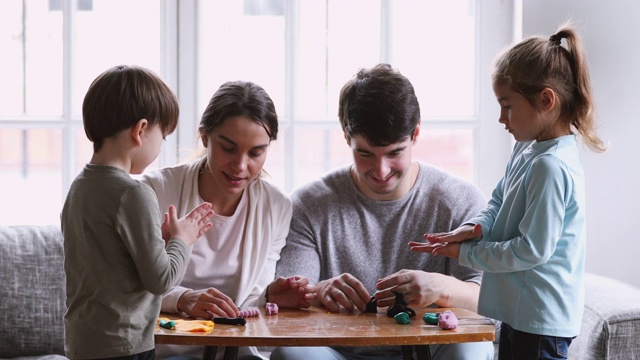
(233, 265)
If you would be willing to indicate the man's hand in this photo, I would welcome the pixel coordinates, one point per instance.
(422, 289)
(343, 291)
(206, 303)
(293, 292)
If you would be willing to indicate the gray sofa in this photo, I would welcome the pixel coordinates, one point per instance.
(32, 302)
(32, 294)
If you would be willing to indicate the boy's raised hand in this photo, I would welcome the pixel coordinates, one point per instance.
(190, 227)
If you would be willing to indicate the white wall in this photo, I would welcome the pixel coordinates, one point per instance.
(611, 31)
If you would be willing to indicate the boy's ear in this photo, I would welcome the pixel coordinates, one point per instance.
(138, 130)
(548, 99)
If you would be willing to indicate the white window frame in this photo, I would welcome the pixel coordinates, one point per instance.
(494, 29)
(498, 24)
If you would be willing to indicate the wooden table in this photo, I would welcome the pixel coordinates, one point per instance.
(317, 327)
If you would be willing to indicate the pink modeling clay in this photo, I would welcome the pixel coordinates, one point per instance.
(271, 309)
(447, 320)
(249, 313)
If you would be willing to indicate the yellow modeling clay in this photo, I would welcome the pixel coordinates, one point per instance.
(191, 325)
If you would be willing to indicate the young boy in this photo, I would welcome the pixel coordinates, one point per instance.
(116, 263)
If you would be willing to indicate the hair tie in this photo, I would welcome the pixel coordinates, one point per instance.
(555, 39)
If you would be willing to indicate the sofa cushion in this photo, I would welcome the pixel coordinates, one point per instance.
(611, 323)
(32, 291)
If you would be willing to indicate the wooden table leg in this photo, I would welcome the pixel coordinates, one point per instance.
(209, 353)
(407, 352)
(422, 352)
(230, 353)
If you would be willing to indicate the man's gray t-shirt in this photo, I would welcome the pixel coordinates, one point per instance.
(336, 229)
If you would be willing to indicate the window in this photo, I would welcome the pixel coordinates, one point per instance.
(51, 58)
(301, 52)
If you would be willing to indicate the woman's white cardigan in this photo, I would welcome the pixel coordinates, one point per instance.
(266, 227)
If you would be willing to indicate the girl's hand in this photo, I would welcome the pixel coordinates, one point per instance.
(463, 233)
(293, 292)
(447, 244)
(451, 250)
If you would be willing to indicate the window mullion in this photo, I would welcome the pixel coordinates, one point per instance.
(170, 72)
(188, 65)
(292, 18)
(68, 128)
(386, 28)
(491, 142)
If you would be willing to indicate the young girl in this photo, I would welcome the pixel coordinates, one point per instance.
(530, 240)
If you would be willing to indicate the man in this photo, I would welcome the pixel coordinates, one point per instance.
(350, 229)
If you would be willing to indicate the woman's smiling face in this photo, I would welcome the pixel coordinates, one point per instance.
(236, 152)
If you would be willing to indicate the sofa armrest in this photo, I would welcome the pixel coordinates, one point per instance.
(32, 289)
(611, 323)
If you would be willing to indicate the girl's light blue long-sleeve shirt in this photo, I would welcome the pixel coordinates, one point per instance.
(533, 246)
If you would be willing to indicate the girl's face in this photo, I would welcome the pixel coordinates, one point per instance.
(524, 121)
(236, 152)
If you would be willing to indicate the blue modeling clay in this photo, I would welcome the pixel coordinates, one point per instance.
(402, 318)
(167, 324)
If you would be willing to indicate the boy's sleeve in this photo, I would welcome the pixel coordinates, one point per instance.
(139, 226)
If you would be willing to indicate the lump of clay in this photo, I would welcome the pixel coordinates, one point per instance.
(372, 306)
(249, 313)
(400, 306)
(271, 309)
(447, 320)
(430, 318)
(402, 318)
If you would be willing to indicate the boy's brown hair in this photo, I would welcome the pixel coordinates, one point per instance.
(121, 96)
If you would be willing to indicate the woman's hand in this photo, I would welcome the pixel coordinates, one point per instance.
(293, 292)
(207, 303)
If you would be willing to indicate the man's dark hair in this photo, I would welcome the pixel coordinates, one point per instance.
(380, 105)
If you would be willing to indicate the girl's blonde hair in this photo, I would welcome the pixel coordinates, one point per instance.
(536, 63)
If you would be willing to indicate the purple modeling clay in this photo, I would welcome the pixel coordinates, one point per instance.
(447, 320)
(271, 309)
(249, 313)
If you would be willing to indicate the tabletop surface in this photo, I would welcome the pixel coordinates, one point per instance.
(317, 327)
